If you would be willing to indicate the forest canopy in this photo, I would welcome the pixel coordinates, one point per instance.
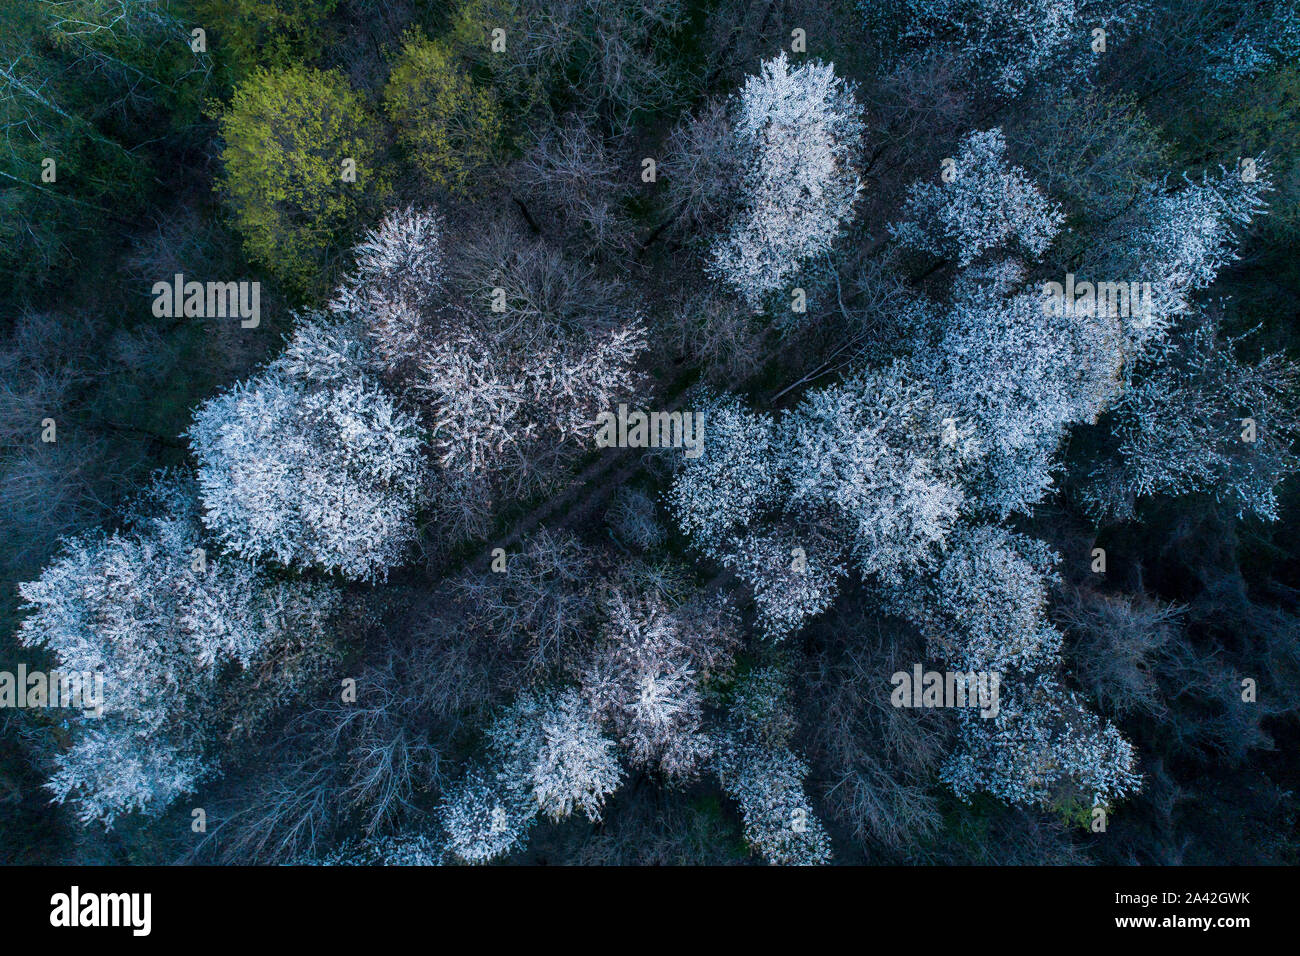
(649, 431)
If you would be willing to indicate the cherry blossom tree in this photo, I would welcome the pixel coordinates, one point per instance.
(1006, 44)
(985, 607)
(1043, 748)
(1177, 239)
(396, 283)
(885, 461)
(990, 204)
(170, 628)
(486, 816)
(798, 130)
(794, 572)
(310, 462)
(766, 778)
(646, 680)
(545, 755)
(1021, 375)
(985, 611)
(874, 467)
(554, 743)
(737, 474)
(1198, 419)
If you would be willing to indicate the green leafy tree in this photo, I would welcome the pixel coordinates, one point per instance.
(450, 125)
(299, 170)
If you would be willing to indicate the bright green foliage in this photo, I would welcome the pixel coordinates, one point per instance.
(451, 125)
(288, 136)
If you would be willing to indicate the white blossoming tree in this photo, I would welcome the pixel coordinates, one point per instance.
(647, 680)
(757, 767)
(985, 607)
(1178, 240)
(554, 744)
(1043, 748)
(884, 461)
(486, 816)
(985, 610)
(164, 621)
(1021, 376)
(798, 130)
(873, 467)
(398, 276)
(546, 755)
(794, 572)
(737, 475)
(1201, 420)
(1005, 44)
(990, 204)
(310, 463)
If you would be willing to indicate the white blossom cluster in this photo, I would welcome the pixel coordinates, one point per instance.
(759, 770)
(552, 744)
(647, 679)
(1020, 373)
(873, 467)
(1008, 43)
(886, 460)
(799, 131)
(881, 460)
(794, 577)
(1021, 376)
(399, 272)
(323, 352)
(985, 607)
(486, 816)
(1202, 421)
(989, 205)
(310, 463)
(161, 621)
(738, 473)
(1043, 747)
(1178, 240)
(488, 402)
(985, 610)
(547, 755)
(575, 767)
(478, 404)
